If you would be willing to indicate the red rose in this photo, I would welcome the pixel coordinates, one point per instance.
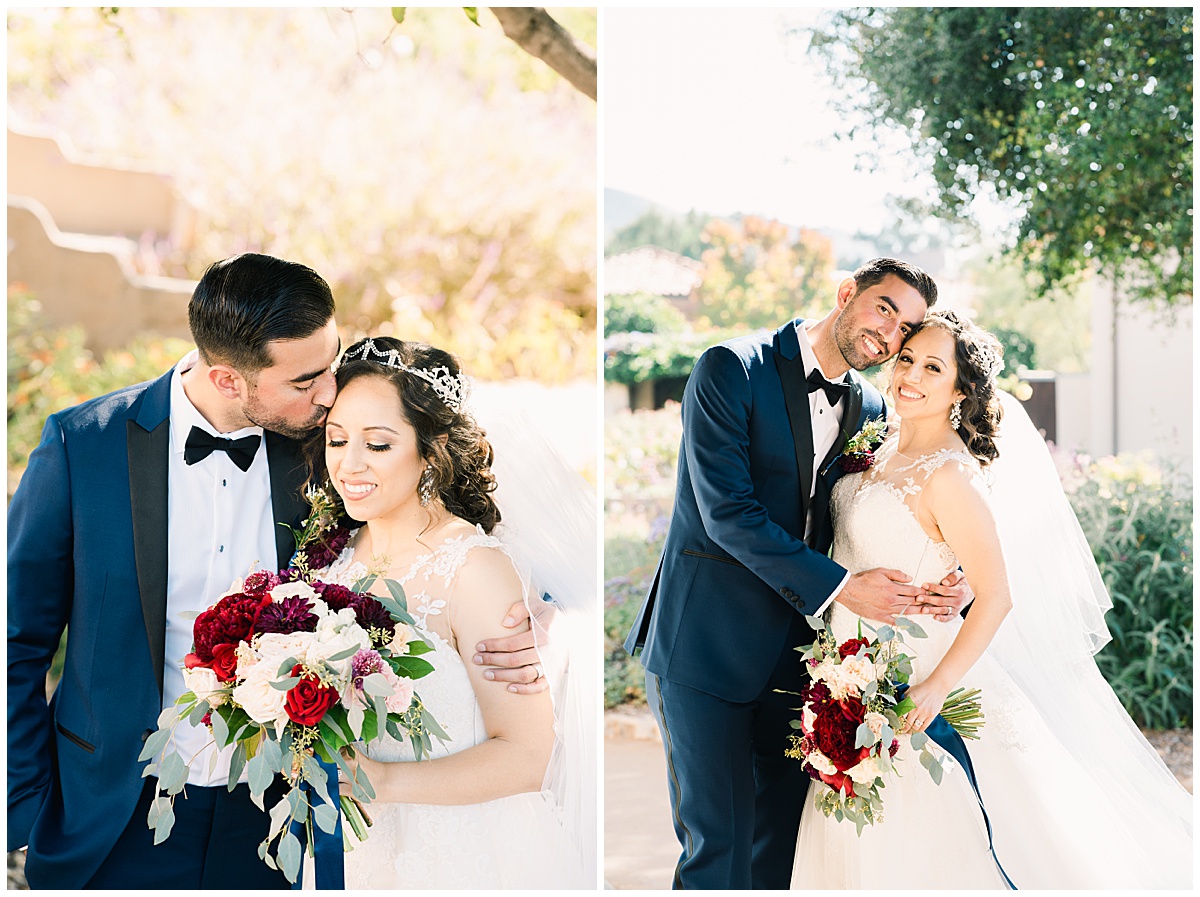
(224, 662)
(227, 622)
(308, 699)
(839, 781)
(834, 731)
(850, 647)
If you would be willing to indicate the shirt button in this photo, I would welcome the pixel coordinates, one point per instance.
(221, 549)
(222, 482)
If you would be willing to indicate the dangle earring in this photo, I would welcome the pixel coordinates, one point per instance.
(956, 414)
(425, 486)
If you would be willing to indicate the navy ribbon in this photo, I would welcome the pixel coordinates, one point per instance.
(328, 852)
(943, 735)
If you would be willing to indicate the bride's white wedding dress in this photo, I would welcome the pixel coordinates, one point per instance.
(1056, 821)
(513, 842)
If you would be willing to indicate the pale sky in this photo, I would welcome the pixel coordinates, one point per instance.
(716, 109)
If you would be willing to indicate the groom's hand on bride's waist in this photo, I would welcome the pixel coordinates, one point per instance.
(879, 594)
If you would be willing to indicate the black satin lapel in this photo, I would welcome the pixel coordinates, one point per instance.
(148, 453)
(285, 461)
(795, 398)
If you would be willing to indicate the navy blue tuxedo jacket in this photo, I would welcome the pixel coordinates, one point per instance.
(736, 568)
(87, 550)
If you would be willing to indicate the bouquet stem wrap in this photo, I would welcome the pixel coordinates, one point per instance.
(328, 852)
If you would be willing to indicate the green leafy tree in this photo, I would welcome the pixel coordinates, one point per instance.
(682, 235)
(758, 273)
(641, 313)
(1081, 116)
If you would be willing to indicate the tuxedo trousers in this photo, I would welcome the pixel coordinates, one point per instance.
(213, 844)
(735, 798)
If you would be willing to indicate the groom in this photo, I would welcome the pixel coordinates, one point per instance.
(137, 508)
(764, 418)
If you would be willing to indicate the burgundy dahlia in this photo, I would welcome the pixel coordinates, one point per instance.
(815, 693)
(374, 617)
(260, 582)
(325, 551)
(227, 622)
(292, 614)
(334, 595)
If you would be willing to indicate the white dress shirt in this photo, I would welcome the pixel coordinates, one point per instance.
(219, 527)
(826, 424)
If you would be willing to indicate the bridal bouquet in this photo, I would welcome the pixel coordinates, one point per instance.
(286, 668)
(851, 714)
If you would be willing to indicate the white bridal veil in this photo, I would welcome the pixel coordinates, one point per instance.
(1048, 641)
(549, 526)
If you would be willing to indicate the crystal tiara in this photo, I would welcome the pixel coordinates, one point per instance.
(449, 387)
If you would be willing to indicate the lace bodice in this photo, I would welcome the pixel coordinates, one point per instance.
(876, 525)
(429, 589)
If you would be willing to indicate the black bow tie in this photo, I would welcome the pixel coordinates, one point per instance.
(200, 444)
(833, 391)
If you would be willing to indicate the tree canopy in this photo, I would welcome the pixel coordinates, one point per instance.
(1082, 116)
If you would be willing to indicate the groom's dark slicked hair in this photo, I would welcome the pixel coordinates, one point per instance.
(245, 302)
(874, 271)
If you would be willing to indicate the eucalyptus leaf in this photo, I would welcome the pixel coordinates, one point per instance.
(157, 806)
(326, 817)
(172, 773)
(355, 717)
(365, 583)
(259, 775)
(280, 814)
(285, 684)
(197, 713)
(163, 824)
(919, 740)
(911, 627)
(432, 726)
(168, 717)
(863, 736)
(237, 762)
(286, 667)
(273, 752)
(376, 685)
(289, 856)
(885, 633)
(155, 743)
(220, 730)
(343, 655)
(816, 623)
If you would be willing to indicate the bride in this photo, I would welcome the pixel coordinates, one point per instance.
(1075, 795)
(501, 804)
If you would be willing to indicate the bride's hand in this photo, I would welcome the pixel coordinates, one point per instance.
(361, 765)
(946, 599)
(929, 696)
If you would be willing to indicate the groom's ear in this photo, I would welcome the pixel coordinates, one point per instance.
(845, 291)
(227, 381)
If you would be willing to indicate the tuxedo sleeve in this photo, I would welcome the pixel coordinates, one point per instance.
(716, 437)
(40, 586)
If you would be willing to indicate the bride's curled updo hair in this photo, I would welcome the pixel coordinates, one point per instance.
(978, 356)
(448, 439)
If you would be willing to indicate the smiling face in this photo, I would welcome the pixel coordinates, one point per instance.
(371, 451)
(873, 323)
(293, 395)
(923, 380)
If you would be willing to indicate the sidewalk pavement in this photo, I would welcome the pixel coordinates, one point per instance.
(640, 850)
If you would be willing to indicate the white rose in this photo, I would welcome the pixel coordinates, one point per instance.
(875, 722)
(866, 772)
(821, 763)
(858, 672)
(807, 719)
(263, 703)
(293, 590)
(336, 634)
(399, 643)
(205, 685)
